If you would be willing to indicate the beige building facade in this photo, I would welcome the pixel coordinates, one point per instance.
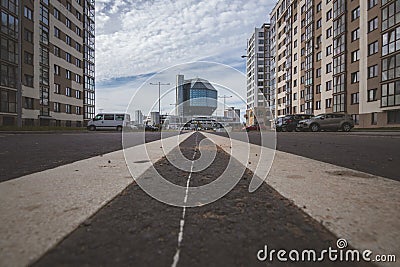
(337, 56)
(53, 74)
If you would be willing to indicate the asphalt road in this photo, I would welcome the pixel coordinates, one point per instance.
(136, 230)
(25, 153)
(375, 153)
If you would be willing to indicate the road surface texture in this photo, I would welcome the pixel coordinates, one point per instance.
(137, 230)
(374, 153)
(22, 154)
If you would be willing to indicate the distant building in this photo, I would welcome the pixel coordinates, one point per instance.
(138, 117)
(260, 89)
(232, 113)
(195, 97)
(154, 117)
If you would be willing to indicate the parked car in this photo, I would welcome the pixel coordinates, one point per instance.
(289, 122)
(151, 128)
(329, 121)
(109, 121)
(252, 128)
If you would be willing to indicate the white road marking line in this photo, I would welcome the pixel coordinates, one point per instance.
(182, 221)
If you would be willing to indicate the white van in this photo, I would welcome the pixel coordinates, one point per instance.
(109, 121)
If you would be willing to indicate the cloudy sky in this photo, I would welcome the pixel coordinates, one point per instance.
(137, 39)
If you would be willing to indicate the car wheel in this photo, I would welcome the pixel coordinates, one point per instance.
(315, 127)
(279, 129)
(92, 128)
(119, 128)
(346, 127)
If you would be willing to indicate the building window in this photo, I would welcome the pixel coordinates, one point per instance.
(318, 72)
(68, 91)
(78, 110)
(56, 32)
(390, 94)
(393, 116)
(373, 24)
(57, 107)
(318, 105)
(373, 71)
(374, 118)
(329, 32)
(68, 57)
(318, 89)
(44, 15)
(28, 13)
(329, 15)
(56, 13)
(372, 3)
(78, 94)
(355, 56)
(28, 104)
(329, 68)
(355, 35)
(56, 70)
(391, 68)
(356, 119)
(355, 98)
(28, 80)
(328, 103)
(68, 74)
(371, 95)
(78, 47)
(339, 104)
(78, 78)
(390, 41)
(68, 40)
(328, 85)
(355, 14)
(56, 88)
(390, 15)
(329, 50)
(373, 48)
(28, 35)
(78, 31)
(355, 77)
(319, 23)
(68, 109)
(56, 51)
(28, 58)
(68, 23)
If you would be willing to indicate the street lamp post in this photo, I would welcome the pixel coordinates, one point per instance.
(159, 99)
(224, 97)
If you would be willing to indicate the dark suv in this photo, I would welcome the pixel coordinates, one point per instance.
(289, 122)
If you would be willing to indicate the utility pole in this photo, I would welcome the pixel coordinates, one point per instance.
(224, 97)
(159, 99)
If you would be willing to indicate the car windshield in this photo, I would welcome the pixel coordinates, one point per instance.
(319, 117)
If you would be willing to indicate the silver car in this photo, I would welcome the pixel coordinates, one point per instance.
(329, 121)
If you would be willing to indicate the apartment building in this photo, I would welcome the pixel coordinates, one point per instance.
(260, 95)
(47, 63)
(336, 56)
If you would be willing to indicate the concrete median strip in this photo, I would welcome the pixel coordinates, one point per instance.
(39, 210)
(359, 207)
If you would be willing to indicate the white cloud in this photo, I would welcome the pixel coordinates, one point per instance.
(137, 37)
